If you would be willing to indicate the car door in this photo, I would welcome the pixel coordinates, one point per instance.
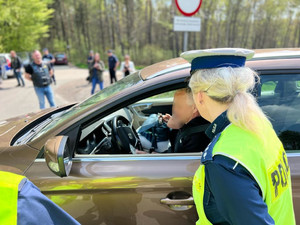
(279, 98)
(123, 189)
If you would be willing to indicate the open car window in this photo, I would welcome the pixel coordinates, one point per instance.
(137, 113)
(142, 117)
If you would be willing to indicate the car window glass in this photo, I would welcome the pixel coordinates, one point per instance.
(94, 99)
(280, 100)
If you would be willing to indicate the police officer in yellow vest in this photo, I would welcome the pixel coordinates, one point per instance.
(244, 176)
(21, 202)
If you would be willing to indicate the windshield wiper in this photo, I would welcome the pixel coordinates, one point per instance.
(28, 135)
(32, 132)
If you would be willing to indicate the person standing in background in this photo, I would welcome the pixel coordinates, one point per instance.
(127, 67)
(113, 63)
(16, 65)
(40, 74)
(49, 59)
(90, 60)
(96, 69)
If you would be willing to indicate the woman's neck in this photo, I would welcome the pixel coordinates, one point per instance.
(216, 110)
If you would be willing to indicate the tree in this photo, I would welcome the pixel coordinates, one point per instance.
(23, 23)
(144, 28)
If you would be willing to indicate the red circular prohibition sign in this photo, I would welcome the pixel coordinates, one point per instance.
(187, 13)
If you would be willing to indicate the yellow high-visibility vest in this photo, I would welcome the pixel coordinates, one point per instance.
(9, 184)
(266, 160)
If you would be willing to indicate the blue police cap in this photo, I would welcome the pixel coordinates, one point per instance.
(217, 57)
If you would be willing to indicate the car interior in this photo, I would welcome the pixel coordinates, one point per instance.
(117, 132)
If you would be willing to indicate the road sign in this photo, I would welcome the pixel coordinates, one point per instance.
(188, 7)
(192, 24)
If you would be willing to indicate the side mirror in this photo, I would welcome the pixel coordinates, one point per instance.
(58, 156)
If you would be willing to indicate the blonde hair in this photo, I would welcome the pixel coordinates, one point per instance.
(232, 86)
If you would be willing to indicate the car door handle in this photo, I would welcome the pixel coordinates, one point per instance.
(187, 201)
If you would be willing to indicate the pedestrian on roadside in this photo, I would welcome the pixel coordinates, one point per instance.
(49, 59)
(16, 65)
(127, 67)
(40, 74)
(96, 69)
(90, 60)
(113, 64)
(1, 71)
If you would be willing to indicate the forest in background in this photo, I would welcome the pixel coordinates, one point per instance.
(144, 28)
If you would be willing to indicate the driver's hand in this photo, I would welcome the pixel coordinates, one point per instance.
(166, 118)
(174, 123)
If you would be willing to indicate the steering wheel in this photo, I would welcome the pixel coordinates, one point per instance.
(124, 136)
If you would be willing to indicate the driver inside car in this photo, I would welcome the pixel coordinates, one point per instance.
(186, 127)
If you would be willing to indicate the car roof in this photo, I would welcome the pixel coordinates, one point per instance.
(276, 53)
(5, 54)
(265, 59)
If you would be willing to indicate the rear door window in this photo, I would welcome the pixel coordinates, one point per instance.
(279, 98)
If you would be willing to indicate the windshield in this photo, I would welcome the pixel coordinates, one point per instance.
(107, 92)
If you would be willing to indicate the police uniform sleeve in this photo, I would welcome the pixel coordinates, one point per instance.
(236, 193)
(36, 208)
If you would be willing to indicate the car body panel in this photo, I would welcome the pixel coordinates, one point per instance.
(61, 59)
(123, 189)
(8, 69)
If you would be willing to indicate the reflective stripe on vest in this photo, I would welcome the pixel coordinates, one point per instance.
(9, 187)
(249, 150)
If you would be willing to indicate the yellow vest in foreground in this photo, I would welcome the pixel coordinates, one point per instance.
(9, 183)
(265, 159)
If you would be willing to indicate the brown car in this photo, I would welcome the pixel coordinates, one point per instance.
(82, 156)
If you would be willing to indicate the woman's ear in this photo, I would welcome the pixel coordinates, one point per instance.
(199, 97)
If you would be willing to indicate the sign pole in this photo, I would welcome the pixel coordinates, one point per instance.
(188, 8)
(185, 41)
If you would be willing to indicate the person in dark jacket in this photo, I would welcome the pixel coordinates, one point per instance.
(48, 58)
(16, 65)
(113, 64)
(90, 60)
(96, 70)
(40, 74)
(188, 127)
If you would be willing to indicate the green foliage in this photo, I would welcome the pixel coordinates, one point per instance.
(23, 23)
(144, 28)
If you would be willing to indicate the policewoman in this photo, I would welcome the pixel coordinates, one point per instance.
(244, 176)
(21, 202)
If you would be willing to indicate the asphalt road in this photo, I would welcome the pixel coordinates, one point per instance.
(71, 87)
